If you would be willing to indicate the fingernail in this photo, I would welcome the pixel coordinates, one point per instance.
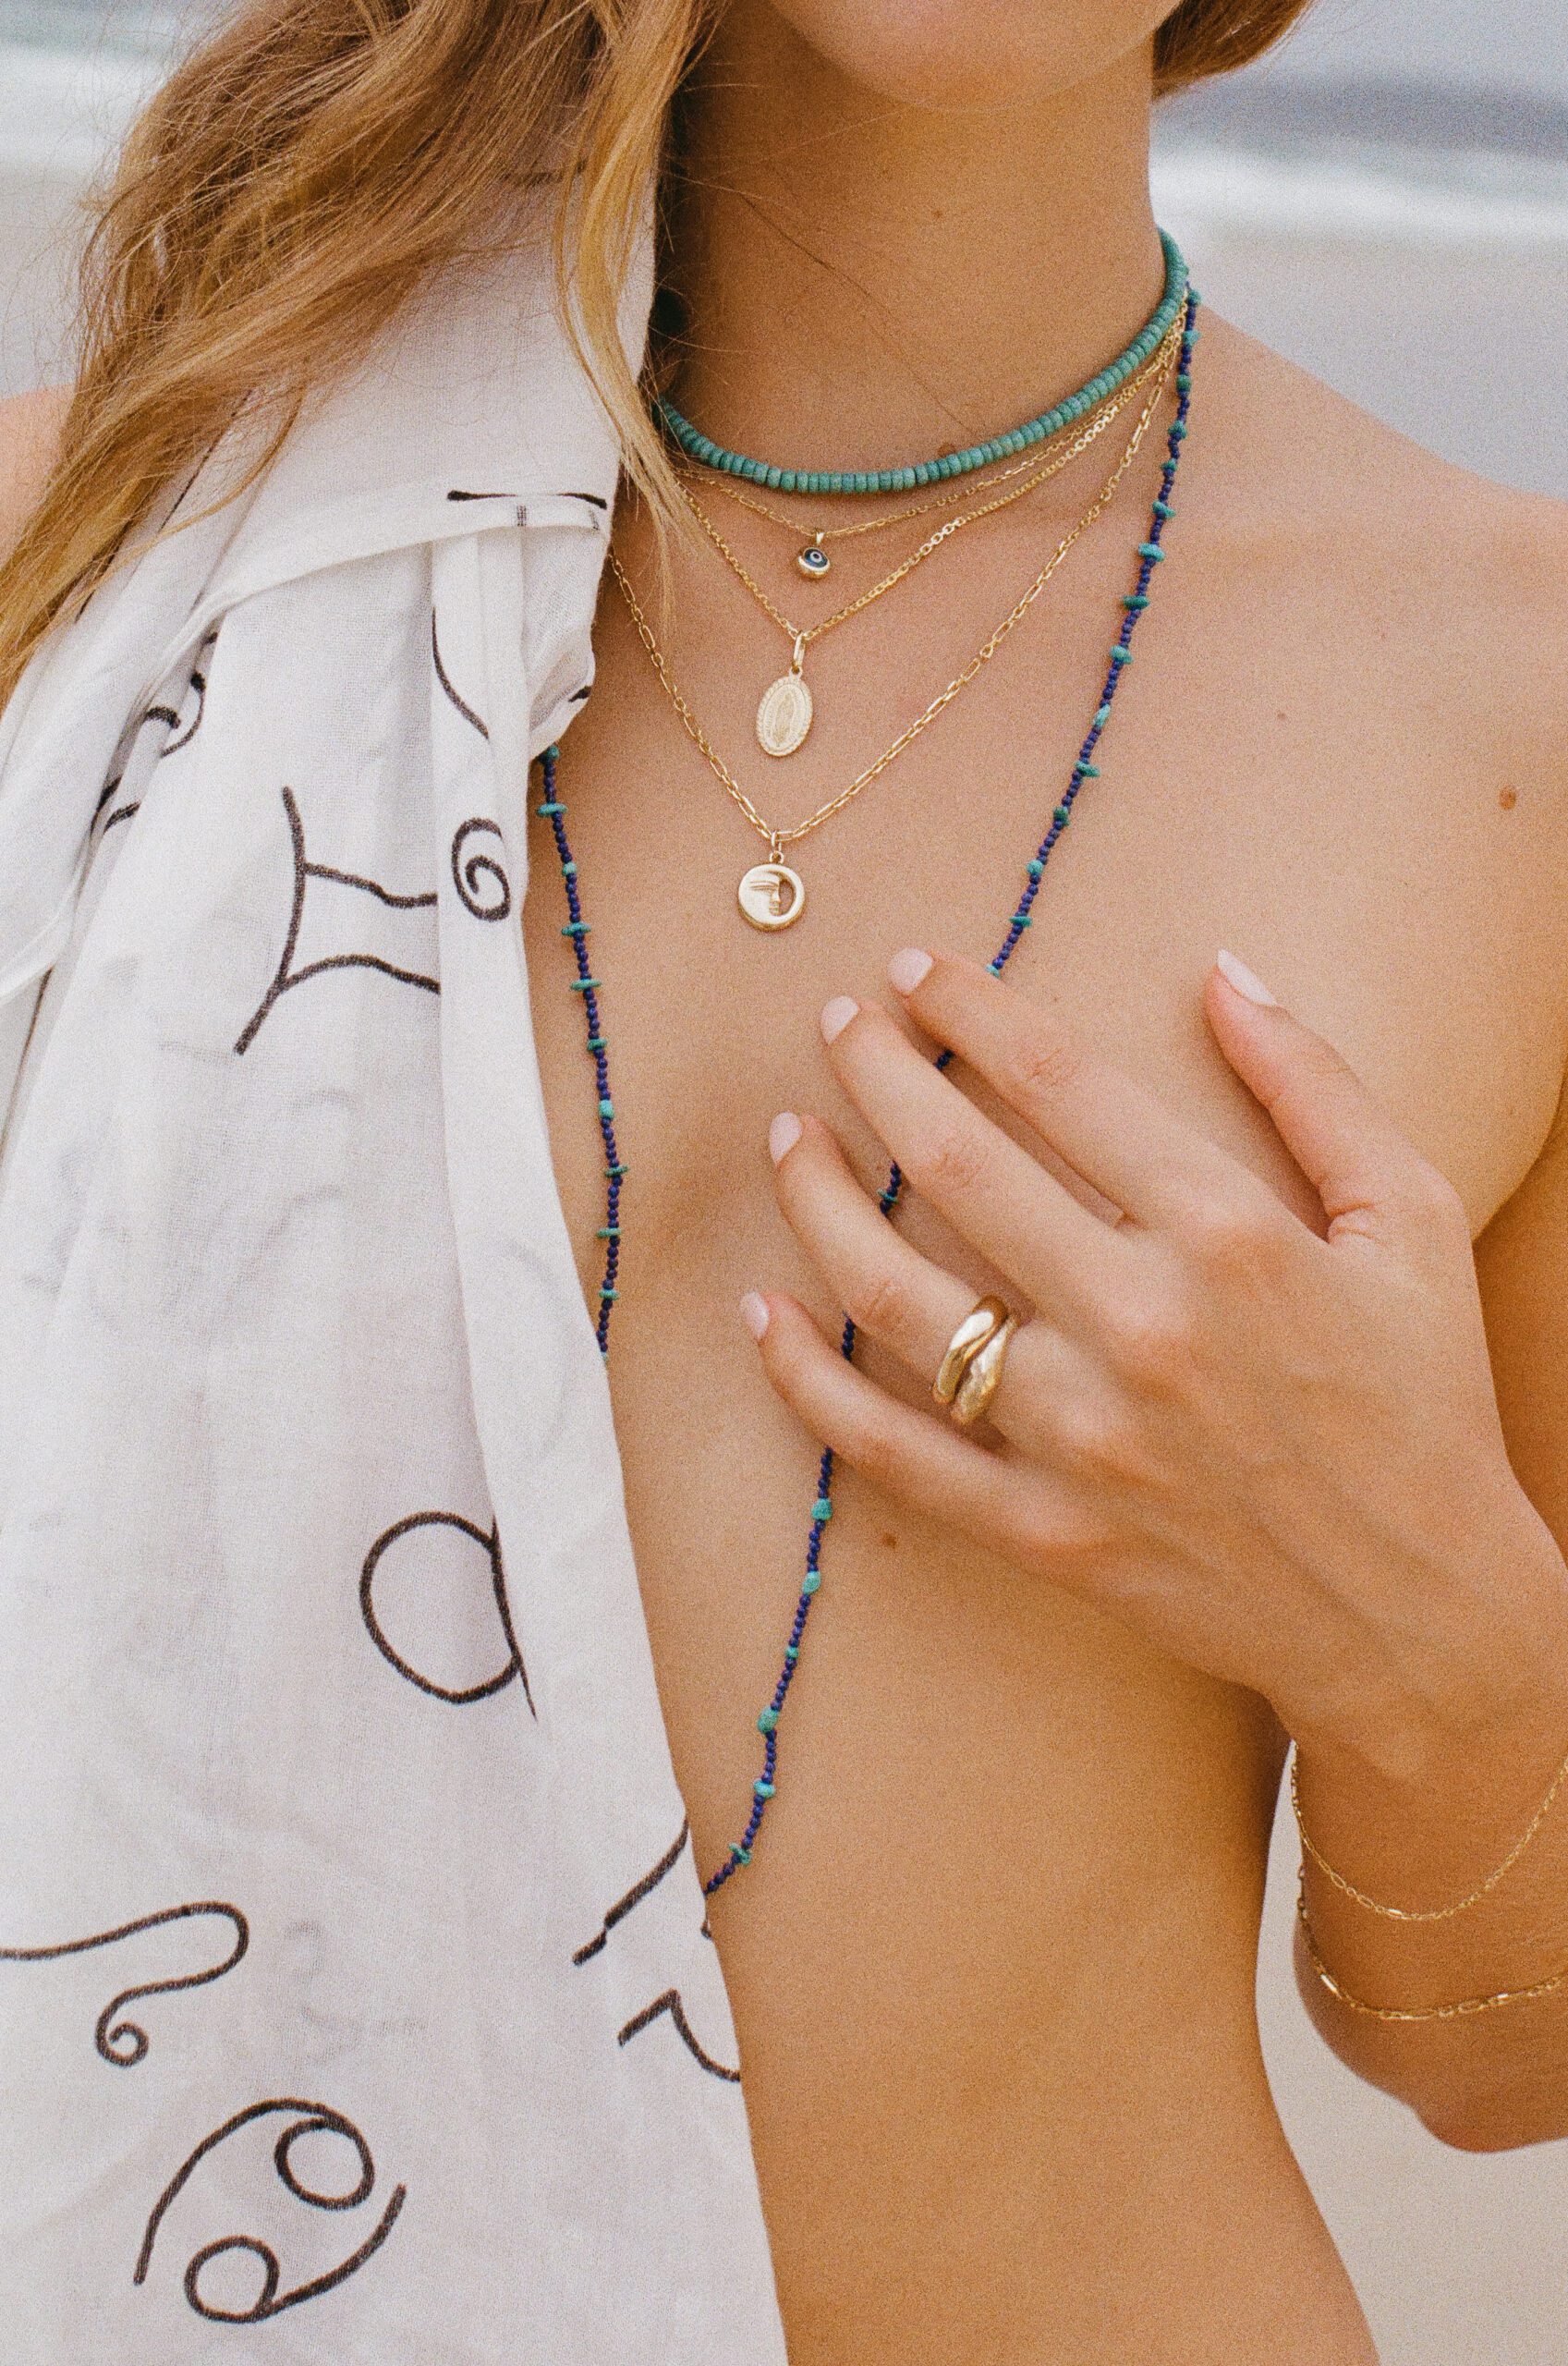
(836, 1017)
(783, 1135)
(906, 969)
(753, 1313)
(1236, 973)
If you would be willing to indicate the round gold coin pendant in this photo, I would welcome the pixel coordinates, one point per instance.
(783, 717)
(772, 896)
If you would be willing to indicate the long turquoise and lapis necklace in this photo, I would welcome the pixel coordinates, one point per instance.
(552, 809)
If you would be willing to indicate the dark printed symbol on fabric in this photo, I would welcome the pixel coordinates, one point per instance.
(419, 1584)
(124, 2042)
(670, 2003)
(442, 676)
(635, 1895)
(182, 723)
(363, 910)
(223, 2297)
(482, 887)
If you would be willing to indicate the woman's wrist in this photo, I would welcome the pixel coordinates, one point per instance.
(1407, 1790)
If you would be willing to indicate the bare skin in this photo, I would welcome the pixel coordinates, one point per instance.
(993, 1968)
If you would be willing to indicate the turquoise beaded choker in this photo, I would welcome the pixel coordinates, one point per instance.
(1134, 605)
(702, 448)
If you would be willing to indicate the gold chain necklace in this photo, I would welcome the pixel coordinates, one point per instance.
(786, 708)
(771, 894)
(814, 562)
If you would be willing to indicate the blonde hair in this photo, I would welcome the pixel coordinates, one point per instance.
(311, 166)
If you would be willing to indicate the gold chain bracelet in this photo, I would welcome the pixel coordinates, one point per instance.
(1462, 2009)
(1425, 1913)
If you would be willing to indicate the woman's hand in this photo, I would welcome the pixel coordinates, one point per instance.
(1276, 1452)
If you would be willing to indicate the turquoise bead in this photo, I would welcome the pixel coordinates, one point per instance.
(1088, 772)
(761, 1789)
(792, 1653)
(1037, 869)
(1151, 549)
(822, 1508)
(606, 1108)
(1062, 816)
(811, 1581)
(768, 1722)
(1101, 718)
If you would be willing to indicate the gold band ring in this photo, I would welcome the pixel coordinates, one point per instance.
(982, 1376)
(981, 1324)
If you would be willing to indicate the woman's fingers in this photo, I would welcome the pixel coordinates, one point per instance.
(892, 1293)
(887, 1289)
(1368, 1175)
(912, 1456)
(1118, 1138)
(997, 1197)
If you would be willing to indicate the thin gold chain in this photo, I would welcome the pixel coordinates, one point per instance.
(723, 483)
(1425, 1913)
(1460, 2009)
(803, 636)
(778, 840)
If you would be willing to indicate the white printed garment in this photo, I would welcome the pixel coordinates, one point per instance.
(356, 2008)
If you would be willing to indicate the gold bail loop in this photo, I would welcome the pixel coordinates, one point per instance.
(798, 662)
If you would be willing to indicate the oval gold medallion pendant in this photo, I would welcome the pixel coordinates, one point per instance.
(783, 716)
(771, 894)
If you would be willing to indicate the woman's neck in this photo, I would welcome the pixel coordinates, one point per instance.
(867, 282)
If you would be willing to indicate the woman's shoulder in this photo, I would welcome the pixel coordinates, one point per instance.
(1401, 568)
(1310, 465)
(30, 437)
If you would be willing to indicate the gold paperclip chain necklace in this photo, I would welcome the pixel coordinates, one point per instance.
(785, 711)
(771, 894)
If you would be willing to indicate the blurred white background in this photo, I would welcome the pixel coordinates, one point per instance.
(1385, 200)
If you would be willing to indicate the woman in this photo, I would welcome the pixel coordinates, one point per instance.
(359, 1983)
